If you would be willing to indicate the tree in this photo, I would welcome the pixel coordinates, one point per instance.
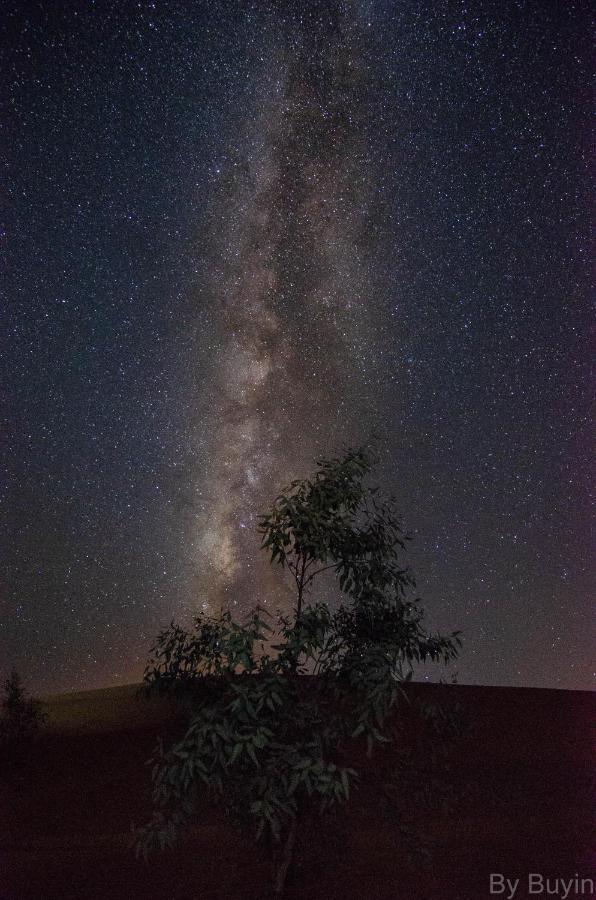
(21, 717)
(269, 747)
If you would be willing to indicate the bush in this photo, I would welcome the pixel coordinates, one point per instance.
(21, 717)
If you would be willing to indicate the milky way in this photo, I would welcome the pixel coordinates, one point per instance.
(296, 329)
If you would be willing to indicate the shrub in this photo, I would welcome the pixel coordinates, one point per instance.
(21, 717)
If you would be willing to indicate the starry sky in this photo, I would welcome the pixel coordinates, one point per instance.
(238, 235)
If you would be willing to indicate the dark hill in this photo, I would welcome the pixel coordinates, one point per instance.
(523, 775)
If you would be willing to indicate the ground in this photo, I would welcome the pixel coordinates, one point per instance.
(523, 774)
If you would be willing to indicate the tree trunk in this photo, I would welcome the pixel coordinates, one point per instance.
(286, 860)
(300, 582)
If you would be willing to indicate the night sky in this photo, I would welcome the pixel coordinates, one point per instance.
(236, 236)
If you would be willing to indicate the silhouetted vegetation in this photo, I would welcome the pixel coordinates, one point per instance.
(271, 748)
(20, 720)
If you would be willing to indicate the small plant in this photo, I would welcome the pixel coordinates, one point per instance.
(264, 740)
(21, 717)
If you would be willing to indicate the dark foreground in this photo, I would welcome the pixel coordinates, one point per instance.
(523, 774)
